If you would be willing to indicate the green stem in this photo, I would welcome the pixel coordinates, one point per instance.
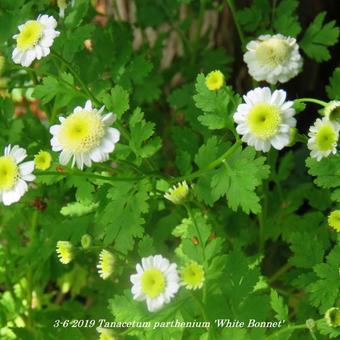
(89, 175)
(77, 77)
(261, 231)
(237, 24)
(286, 329)
(211, 166)
(34, 222)
(281, 271)
(192, 217)
(311, 100)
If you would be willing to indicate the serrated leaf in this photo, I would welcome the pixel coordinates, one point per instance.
(318, 37)
(121, 218)
(117, 101)
(333, 89)
(238, 178)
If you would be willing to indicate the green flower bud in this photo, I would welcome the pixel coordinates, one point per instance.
(86, 241)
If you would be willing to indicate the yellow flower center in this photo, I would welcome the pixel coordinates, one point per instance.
(334, 220)
(29, 35)
(81, 131)
(264, 120)
(214, 80)
(107, 263)
(9, 172)
(273, 51)
(326, 137)
(153, 282)
(64, 250)
(192, 275)
(42, 160)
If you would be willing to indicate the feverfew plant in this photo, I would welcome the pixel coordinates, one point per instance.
(169, 170)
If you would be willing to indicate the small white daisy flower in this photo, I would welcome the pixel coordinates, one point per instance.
(323, 138)
(14, 174)
(156, 282)
(84, 136)
(265, 119)
(34, 40)
(106, 264)
(273, 58)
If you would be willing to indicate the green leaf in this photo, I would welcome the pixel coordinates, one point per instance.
(78, 208)
(207, 153)
(286, 21)
(319, 37)
(333, 89)
(256, 16)
(307, 249)
(325, 291)
(278, 305)
(326, 171)
(141, 142)
(117, 101)
(61, 88)
(217, 106)
(120, 221)
(238, 178)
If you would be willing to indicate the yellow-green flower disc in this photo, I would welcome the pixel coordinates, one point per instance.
(65, 251)
(106, 264)
(192, 275)
(332, 317)
(42, 160)
(214, 80)
(334, 220)
(178, 194)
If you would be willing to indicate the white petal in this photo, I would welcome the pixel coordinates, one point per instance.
(26, 168)
(109, 118)
(65, 157)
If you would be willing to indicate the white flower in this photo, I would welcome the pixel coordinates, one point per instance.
(265, 119)
(84, 136)
(14, 174)
(34, 40)
(106, 264)
(323, 138)
(156, 281)
(273, 58)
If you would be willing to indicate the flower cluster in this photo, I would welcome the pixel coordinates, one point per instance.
(157, 280)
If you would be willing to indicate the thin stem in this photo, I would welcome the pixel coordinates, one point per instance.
(281, 271)
(311, 100)
(286, 329)
(77, 77)
(204, 314)
(192, 217)
(237, 24)
(211, 166)
(89, 175)
(261, 230)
